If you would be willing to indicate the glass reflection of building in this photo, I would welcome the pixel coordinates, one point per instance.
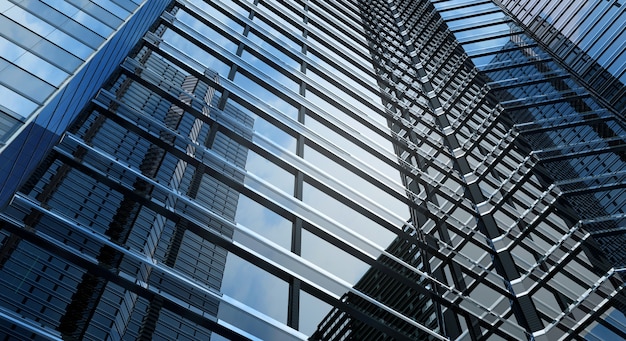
(237, 177)
(54, 56)
(586, 36)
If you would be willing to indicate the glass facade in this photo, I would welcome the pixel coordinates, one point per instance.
(324, 170)
(587, 37)
(54, 56)
(43, 43)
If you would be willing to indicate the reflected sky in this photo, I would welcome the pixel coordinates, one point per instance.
(42, 44)
(264, 221)
(308, 148)
(596, 27)
(243, 281)
(459, 20)
(277, 85)
(255, 287)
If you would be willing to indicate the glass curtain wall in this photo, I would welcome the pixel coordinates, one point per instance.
(235, 178)
(327, 170)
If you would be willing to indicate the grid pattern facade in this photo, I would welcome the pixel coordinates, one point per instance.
(119, 173)
(526, 142)
(586, 37)
(46, 42)
(332, 170)
(61, 52)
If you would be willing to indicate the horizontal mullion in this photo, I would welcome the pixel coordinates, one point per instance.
(291, 96)
(299, 39)
(285, 48)
(487, 36)
(284, 158)
(562, 122)
(294, 127)
(516, 83)
(513, 64)
(537, 101)
(250, 244)
(130, 125)
(456, 5)
(471, 14)
(78, 258)
(336, 23)
(483, 24)
(572, 151)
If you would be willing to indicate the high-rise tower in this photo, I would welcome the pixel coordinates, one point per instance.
(54, 56)
(585, 37)
(328, 169)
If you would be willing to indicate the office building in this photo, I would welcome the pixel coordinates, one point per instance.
(54, 56)
(587, 37)
(327, 170)
(554, 124)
